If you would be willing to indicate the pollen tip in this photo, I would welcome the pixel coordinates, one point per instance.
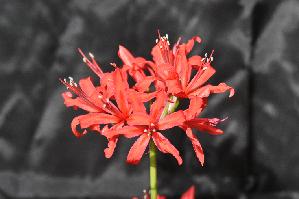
(84, 60)
(91, 55)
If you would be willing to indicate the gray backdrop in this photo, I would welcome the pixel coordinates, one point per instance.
(256, 51)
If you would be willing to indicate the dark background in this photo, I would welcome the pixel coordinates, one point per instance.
(256, 51)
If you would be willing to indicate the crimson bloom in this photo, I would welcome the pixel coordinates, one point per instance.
(147, 126)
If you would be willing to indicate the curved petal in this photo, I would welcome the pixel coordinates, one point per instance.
(74, 125)
(126, 56)
(120, 92)
(139, 119)
(138, 148)
(144, 85)
(197, 104)
(200, 78)
(203, 126)
(205, 91)
(189, 194)
(158, 106)
(78, 102)
(127, 131)
(111, 146)
(196, 146)
(165, 146)
(190, 43)
(97, 118)
(172, 120)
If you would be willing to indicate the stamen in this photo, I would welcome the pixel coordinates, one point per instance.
(84, 60)
(205, 68)
(100, 96)
(152, 124)
(157, 41)
(154, 130)
(104, 105)
(145, 130)
(91, 55)
(166, 35)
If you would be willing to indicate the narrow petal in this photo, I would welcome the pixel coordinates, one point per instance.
(143, 86)
(196, 61)
(172, 120)
(111, 146)
(200, 78)
(120, 92)
(138, 119)
(190, 43)
(158, 106)
(205, 91)
(125, 55)
(197, 104)
(78, 102)
(74, 125)
(138, 148)
(182, 66)
(196, 146)
(173, 86)
(97, 118)
(189, 194)
(203, 126)
(87, 86)
(164, 145)
(127, 131)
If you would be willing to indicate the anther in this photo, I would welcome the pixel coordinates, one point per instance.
(157, 41)
(100, 96)
(104, 105)
(154, 130)
(152, 124)
(91, 55)
(84, 60)
(205, 68)
(145, 130)
(206, 54)
(166, 35)
(212, 59)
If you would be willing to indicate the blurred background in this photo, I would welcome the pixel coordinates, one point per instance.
(256, 51)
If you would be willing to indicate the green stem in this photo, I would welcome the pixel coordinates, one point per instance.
(153, 171)
(169, 108)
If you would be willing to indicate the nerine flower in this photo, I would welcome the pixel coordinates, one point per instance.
(116, 109)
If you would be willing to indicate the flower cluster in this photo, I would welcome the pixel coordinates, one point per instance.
(146, 109)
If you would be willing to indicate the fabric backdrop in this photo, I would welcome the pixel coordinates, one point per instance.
(256, 51)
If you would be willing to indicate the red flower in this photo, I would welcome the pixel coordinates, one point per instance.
(174, 68)
(147, 126)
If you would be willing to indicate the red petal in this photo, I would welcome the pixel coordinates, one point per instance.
(127, 131)
(87, 86)
(200, 78)
(125, 55)
(143, 85)
(172, 120)
(182, 66)
(201, 125)
(190, 43)
(196, 61)
(138, 148)
(205, 91)
(158, 106)
(161, 197)
(74, 125)
(189, 194)
(111, 146)
(173, 86)
(120, 92)
(165, 146)
(97, 118)
(139, 119)
(196, 146)
(196, 106)
(78, 102)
